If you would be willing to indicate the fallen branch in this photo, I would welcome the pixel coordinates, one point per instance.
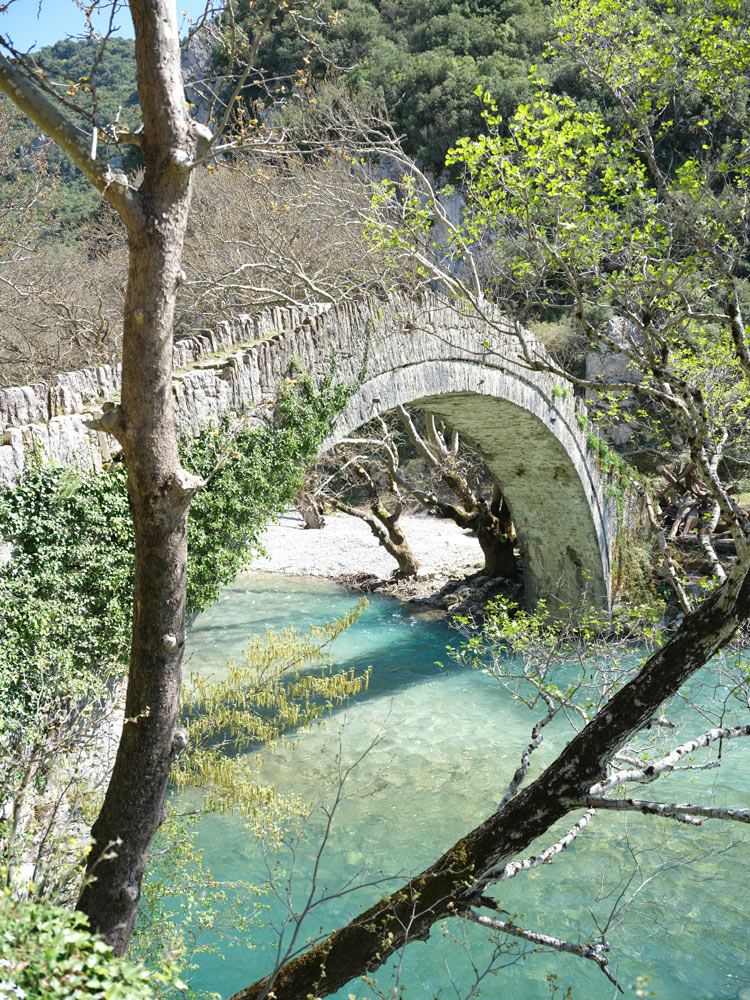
(693, 542)
(660, 534)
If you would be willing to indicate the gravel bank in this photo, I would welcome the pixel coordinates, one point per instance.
(346, 550)
(346, 546)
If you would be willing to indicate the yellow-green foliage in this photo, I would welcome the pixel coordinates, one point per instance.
(284, 681)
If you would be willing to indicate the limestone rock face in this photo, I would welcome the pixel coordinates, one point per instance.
(198, 66)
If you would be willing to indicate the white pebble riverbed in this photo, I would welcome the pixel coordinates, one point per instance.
(346, 545)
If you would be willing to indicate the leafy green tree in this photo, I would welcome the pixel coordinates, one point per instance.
(252, 475)
(585, 214)
(64, 621)
(420, 61)
(575, 204)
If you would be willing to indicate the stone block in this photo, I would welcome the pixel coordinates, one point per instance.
(23, 405)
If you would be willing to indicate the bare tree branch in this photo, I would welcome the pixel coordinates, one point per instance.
(594, 952)
(77, 144)
(680, 811)
(669, 763)
(546, 856)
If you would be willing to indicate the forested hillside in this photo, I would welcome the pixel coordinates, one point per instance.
(419, 62)
(422, 61)
(107, 94)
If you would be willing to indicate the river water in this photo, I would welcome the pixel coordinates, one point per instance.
(447, 740)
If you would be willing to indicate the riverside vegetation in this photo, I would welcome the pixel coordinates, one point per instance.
(566, 203)
(66, 615)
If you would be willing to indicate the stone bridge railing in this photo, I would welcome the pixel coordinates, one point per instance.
(423, 351)
(49, 418)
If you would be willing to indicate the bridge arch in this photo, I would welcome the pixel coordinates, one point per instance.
(553, 488)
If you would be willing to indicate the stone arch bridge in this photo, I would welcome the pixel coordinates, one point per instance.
(425, 352)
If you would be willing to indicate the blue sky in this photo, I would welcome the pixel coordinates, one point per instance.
(34, 23)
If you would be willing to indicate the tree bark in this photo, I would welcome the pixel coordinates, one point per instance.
(386, 528)
(496, 536)
(159, 490)
(308, 510)
(462, 873)
(492, 523)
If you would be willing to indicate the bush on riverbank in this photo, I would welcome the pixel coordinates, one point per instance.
(47, 952)
(65, 593)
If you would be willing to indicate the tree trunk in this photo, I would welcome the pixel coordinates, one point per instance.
(386, 528)
(159, 495)
(492, 523)
(155, 215)
(464, 871)
(308, 510)
(398, 546)
(159, 490)
(496, 536)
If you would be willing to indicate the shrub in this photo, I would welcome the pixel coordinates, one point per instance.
(47, 952)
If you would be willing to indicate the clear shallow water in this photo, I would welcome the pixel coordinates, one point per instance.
(448, 741)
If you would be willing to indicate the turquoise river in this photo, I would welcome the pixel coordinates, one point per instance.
(446, 741)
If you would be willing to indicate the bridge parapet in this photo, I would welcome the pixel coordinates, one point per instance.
(425, 351)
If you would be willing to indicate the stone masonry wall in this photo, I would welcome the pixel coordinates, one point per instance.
(397, 350)
(49, 418)
(233, 368)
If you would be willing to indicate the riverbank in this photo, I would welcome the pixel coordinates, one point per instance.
(345, 550)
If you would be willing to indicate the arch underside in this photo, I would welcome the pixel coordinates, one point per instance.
(537, 454)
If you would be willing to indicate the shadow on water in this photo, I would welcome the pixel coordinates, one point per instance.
(389, 637)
